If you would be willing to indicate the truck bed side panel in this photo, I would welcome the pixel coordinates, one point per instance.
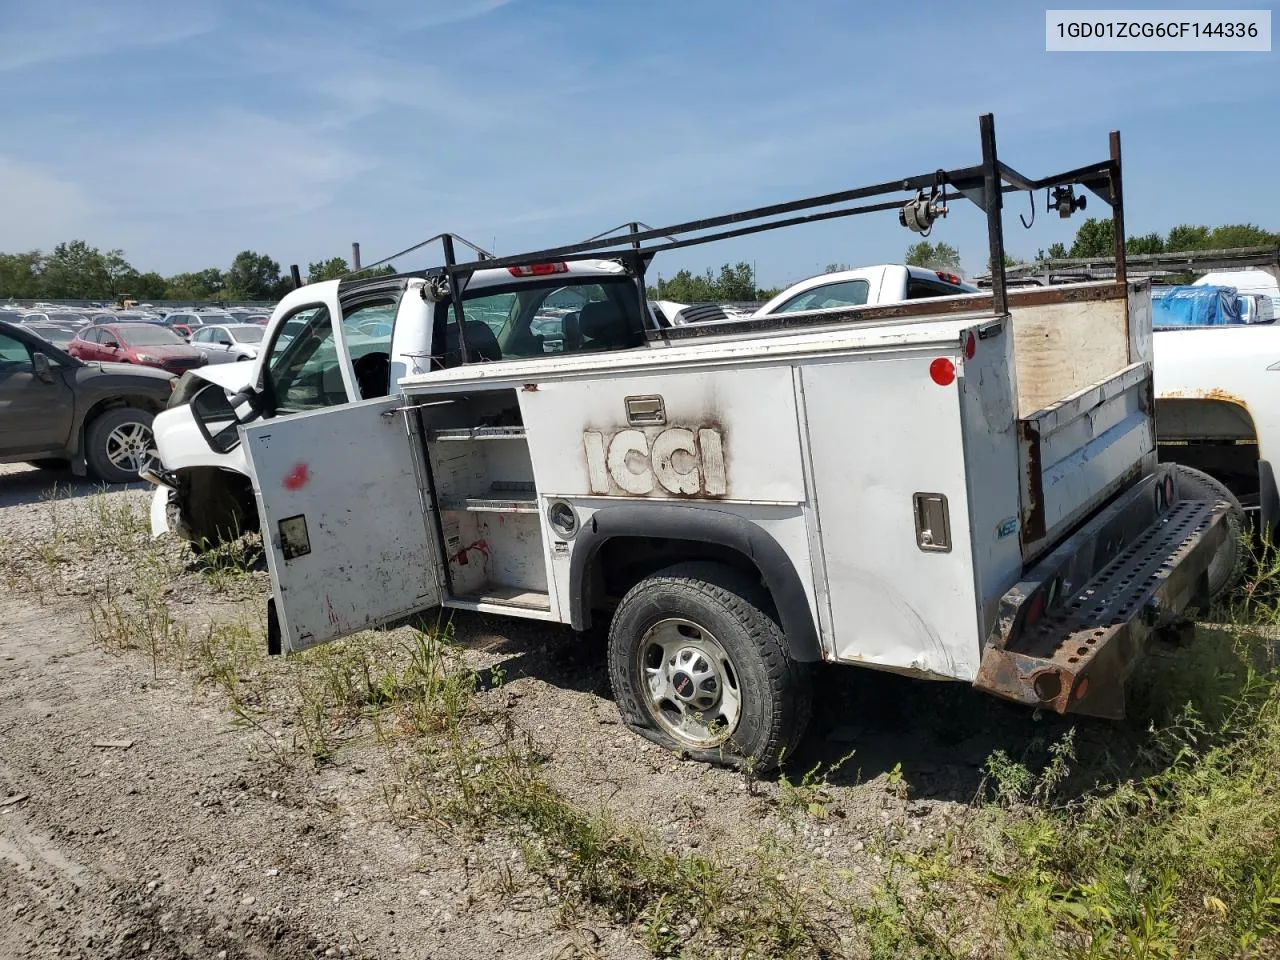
(881, 430)
(1084, 403)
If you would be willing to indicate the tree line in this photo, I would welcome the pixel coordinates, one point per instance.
(77, 271)
(1096, 238)
(734, 282)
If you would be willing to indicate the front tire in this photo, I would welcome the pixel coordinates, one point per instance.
(700, 666)
(117, 444)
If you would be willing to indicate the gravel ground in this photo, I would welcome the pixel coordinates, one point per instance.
(139, 818)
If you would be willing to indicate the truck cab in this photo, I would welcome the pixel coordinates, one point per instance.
(388, 329)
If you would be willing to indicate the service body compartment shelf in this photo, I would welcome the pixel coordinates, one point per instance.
(488, 504)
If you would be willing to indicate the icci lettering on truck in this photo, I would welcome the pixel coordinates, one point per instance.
(671, 461)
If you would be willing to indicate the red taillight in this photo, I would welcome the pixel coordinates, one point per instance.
(948, 277)
(942, 372)
(970, 346)
(538, 269)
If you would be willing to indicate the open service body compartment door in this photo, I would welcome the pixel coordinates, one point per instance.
(348, 530)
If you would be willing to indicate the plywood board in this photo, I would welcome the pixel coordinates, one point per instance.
(1060, 348)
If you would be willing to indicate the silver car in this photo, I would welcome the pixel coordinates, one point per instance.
(228, 342)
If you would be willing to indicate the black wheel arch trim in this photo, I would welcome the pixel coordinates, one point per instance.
(707, 526)
(1268, 498)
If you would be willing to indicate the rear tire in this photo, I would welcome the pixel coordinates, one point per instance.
(1228, 567)
(116, 444)
(700, 666)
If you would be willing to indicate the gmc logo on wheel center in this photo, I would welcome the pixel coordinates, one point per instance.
(640, 463)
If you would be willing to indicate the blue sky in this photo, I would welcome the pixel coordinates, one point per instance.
(185, 132)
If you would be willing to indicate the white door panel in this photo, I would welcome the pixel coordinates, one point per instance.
(350, 539)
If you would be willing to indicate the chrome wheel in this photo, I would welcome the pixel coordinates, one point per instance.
(128, 446)
(691, 685)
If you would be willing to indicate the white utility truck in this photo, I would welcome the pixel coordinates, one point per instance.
(952, 488)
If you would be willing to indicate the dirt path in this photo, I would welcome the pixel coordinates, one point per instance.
(139, 819)
(136, 820)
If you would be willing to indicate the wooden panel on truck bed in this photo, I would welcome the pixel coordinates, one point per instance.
(1061, 348)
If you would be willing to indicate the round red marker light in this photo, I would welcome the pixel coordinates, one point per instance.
(970, 347)
(942, 371)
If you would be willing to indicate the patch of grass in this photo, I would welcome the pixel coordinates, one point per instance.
(1178, 856)
(229, 566)
(139, 620)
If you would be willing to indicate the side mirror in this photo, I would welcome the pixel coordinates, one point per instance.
(43, 369)
(219, 416)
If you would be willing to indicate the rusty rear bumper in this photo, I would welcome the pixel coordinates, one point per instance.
(1068, 635)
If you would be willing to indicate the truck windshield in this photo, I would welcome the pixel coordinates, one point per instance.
(558, 315)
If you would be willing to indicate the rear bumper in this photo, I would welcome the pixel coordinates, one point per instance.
(1068, 635)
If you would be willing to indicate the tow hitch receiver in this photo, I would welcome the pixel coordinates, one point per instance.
(1072, 650)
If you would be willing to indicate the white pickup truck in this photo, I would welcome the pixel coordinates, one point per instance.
(957, 488)
(841, 289)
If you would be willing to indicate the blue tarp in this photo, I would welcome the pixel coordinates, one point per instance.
(1194, 307)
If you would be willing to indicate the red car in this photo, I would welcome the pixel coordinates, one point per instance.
(148, 344)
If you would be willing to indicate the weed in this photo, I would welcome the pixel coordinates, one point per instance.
(811, 795)
(229, 566)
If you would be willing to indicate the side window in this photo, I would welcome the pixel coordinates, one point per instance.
(534, 321)
(847, 293)
(302, 371)
(94, 335)
(922, 289)
(367, 327)
(222, 337)
(13, 353)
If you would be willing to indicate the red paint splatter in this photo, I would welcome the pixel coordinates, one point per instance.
(461, 556)
(297, 478)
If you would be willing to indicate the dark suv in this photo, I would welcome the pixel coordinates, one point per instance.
(57, 411)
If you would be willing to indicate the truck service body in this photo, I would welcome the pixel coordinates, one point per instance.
(958, 488)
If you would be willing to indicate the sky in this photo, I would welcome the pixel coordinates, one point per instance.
(186, 132)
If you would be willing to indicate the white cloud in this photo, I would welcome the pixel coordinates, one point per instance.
(236, 163)
(39, 208)
(57, 31)
(419, 14)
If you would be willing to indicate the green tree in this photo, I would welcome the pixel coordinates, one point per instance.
(1095, 238)
(335, 268)
(1187, 237)
(331, 269)
(148, 286)
(202, 285)
(735, 281)
(936, 256)
(836, 268)
(254, 276)
(1232, 235)
(1147, 243)
(20, 274)
(1056, 251)
(75, 271)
